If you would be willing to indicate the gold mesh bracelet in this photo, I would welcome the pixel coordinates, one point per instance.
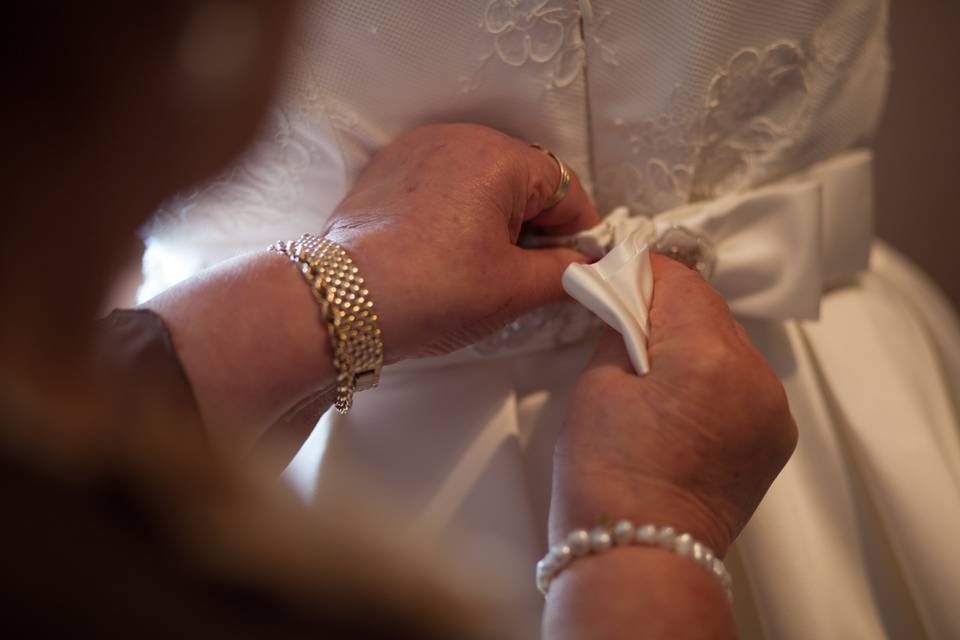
(346, 309)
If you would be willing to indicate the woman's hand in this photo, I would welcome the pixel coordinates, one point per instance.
(695, 443)
(432, 224)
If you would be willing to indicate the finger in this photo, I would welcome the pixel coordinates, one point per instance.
(538, 276)
(573, 213)
(684, 304)
(611, 352)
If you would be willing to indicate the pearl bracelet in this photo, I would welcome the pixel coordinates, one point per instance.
(581, 542)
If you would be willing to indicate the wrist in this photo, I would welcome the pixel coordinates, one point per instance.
(637, 592)
(586, 500)
(349, 313)
(298, 337)
(393, 286)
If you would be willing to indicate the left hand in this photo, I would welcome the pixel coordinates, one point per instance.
(432, 224)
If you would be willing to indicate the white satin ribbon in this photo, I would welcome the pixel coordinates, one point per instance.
(618, 289)
(777, 248)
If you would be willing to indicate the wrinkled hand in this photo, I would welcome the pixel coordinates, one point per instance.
(694, 444)
(432, 224)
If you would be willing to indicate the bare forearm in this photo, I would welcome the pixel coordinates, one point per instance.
(637, 592)
(252, 343)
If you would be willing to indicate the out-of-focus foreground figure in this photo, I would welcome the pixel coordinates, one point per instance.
(120, 521)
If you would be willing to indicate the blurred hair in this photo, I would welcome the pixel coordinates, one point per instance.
(60, 57)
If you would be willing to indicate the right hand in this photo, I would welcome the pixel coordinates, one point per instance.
(694, 444)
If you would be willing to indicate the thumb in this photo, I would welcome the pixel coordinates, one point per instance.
(537, 278)
(684, 308)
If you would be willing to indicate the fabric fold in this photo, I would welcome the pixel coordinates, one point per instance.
(773, 249)
(618, 289)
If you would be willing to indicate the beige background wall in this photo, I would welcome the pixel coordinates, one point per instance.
(918, 144)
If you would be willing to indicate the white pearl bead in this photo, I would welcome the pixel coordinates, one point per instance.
(542, 568)
(582, 542)
(684, 545)
(667, 537)
(550, 565)
(579, 542)
(647, 534)
(708, 558)
(717, 568)
(624, 532)
(600, 540)
(560, 555)
(697, 552)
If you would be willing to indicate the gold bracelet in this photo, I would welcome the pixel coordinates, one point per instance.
(346, 309)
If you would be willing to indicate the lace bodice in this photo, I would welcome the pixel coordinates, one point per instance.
(653, 103)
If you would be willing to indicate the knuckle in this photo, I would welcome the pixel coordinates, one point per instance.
(784, 428)
(458, 134)
(771, 389)
(540, 185)
(789, 438)
(773, 427)
(753, 395)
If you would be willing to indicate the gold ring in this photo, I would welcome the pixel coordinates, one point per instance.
(561, 191)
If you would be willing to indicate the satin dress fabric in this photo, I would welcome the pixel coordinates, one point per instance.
(686, 108)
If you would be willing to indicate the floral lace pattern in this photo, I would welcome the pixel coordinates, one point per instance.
(744, 126)
(751, 108)
(541, 33)
(545, 34)
(656, 183)
(724, 126)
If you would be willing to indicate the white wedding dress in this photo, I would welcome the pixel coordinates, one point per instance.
(754, 110)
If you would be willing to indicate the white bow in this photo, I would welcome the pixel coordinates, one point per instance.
(777, 248)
